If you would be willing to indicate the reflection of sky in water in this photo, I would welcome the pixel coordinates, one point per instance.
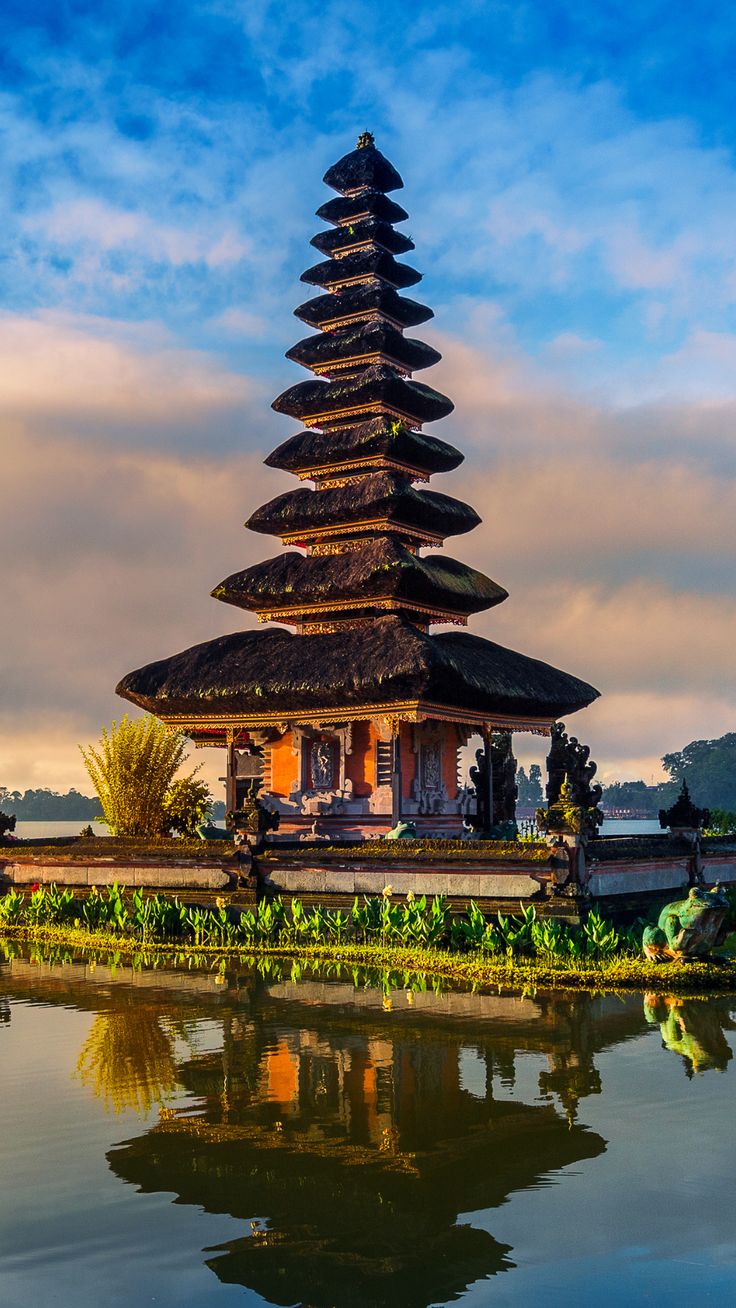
(597, 1169)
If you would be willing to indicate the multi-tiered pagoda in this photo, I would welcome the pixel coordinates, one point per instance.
(359, 713)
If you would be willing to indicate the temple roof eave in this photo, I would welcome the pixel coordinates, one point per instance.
(255, 678)
(341, 209)
(356, 267)
(376, 388)
(360, 301)
(378, 497)
(367, 233)
(381, 571)
(314, 449)
(363, 344)
(364, 168)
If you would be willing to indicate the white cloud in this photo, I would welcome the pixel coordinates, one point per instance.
(90, 222)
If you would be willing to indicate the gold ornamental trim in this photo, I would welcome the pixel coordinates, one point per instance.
(360, 361)
(388, 602)
(339, 546)
(376, 525)
(358, 279)
(416, 710)
(367, 464)
(332, 418)
(360, 243)
(369, 315)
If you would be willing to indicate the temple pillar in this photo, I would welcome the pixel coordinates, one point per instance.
(231, 772)
(396, 774)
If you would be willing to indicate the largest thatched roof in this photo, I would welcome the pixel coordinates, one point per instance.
(253, 675)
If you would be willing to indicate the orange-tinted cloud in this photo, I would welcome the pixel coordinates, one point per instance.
(620, 560)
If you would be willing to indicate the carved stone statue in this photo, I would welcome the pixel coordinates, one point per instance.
(689, 928)
(505, 789)
(252, 820)
(479, 778)
(573, 798)
(568, 758)
(322, 761)
(402, 831)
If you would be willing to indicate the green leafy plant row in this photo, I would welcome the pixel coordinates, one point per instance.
(415, 922)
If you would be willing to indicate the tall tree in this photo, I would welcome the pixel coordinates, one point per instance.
(709, 767)
(132, 771)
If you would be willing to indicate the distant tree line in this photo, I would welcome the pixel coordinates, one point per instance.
(50, 806)
(708, 766)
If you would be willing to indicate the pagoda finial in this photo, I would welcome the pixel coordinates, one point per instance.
(365, 138)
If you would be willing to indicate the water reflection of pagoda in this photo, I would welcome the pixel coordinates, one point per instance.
(347, 1130)
(355, 1138)
(359, 717)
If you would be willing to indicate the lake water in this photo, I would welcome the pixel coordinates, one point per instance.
(246, 1137)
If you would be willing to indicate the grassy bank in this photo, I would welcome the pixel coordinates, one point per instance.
(513, 973)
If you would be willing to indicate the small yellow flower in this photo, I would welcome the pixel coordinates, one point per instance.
(387, 1004)
(387, 892)
(410, 897)
(220, 901)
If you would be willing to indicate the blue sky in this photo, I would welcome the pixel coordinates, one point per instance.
(570, 179)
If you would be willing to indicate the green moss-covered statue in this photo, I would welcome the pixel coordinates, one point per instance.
(402, 831)
(689, 928)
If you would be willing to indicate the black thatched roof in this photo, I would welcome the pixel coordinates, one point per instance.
(389, 661)
(382, 568)
(363, 169)
(378, 385)
(363, 299)
(377, 437)
(361, 339)
(364, 263)
(382, 234)
(351, 208)
(378, 495)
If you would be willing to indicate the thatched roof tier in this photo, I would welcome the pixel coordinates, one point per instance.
(360, 266)
(363, 169)
(363, 344)
(381, 569)
(368, 204)
(315, 451)
(363, 300)
(382, 501)
(259, 676)
(375, 390)
(369, 231)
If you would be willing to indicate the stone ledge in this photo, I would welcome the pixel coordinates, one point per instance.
(162, 876)
(633, 881)
(371, 881)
